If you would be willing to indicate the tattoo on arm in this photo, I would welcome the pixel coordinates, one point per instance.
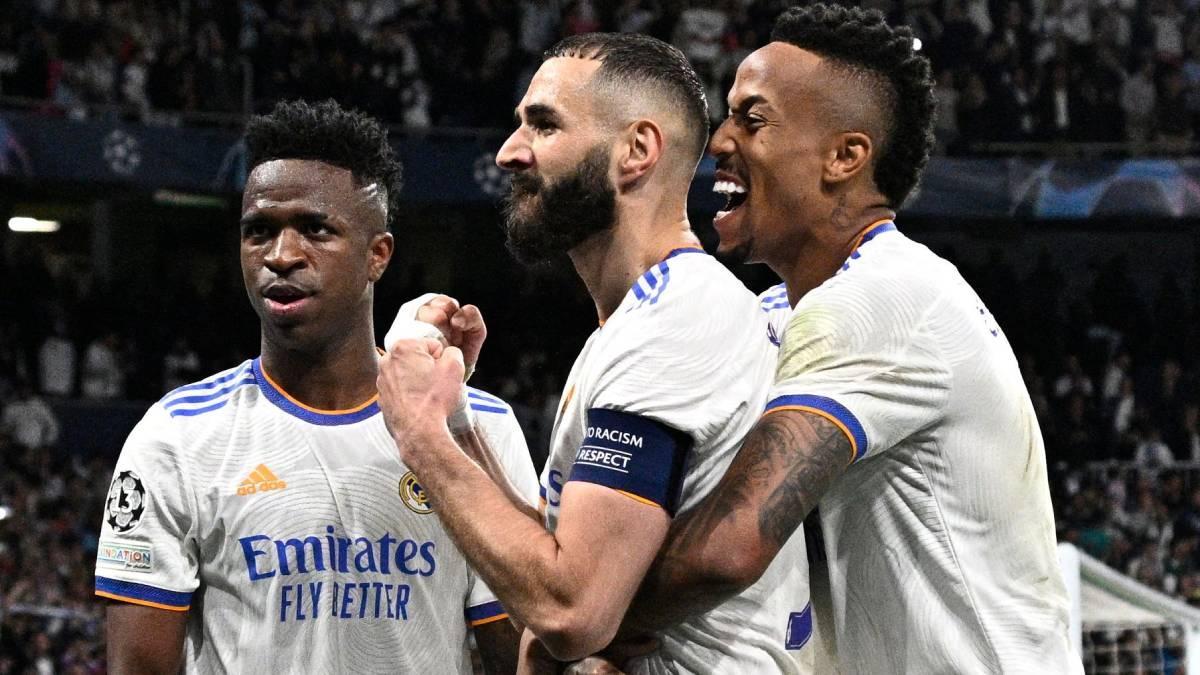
(784, 466)
(807, 475)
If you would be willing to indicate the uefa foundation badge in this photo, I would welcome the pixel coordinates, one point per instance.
(126, 502)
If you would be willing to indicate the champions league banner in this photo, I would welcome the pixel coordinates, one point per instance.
(460, 168)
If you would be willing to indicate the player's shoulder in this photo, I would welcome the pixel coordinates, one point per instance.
(495, 418)
(777, 308)
(485, 404)
(886, 275)
(207, 396)
(686, 282)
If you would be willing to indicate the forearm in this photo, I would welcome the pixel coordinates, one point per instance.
(517, 557)
(725, 543)
(475, 445)
(694, 571)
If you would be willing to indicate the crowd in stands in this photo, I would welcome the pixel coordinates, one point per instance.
(1007, 70)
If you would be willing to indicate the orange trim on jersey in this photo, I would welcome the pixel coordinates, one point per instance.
(831, 418)
(309, 408)
(864, 233)
(638, 498)
(490, 619)
(146, 603)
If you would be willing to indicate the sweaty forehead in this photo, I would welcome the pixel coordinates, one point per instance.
(311, 182)
(562, 83)
(281, 186)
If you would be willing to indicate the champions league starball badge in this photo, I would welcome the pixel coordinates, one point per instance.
(126, 502)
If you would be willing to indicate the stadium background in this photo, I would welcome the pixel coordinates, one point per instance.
(1065, 188)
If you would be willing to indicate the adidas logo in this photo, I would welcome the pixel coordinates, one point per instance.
(261, 479)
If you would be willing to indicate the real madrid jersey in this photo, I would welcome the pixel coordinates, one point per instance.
(295, 537)
(655, 407)
(940, 536)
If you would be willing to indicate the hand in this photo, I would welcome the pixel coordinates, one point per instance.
(534, 658)
(616, 657)
(593, 665)
(420, 384)
(462, 326)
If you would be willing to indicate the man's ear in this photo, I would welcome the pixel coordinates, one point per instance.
(850, 155)
(640, 150)
(383, 244)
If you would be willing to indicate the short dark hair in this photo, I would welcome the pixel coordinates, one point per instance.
(861, 40)
(636, 58)
(328, 133)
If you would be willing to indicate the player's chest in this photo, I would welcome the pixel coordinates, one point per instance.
(318, 502)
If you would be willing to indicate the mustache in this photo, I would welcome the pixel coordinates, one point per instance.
(730, 166)
(526, 183)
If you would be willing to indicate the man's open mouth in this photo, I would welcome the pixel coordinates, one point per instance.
(734, 190)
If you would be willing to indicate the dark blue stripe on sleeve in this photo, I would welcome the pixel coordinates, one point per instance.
(485, 611)
(634, 454)
(858, 436)
(128, 589)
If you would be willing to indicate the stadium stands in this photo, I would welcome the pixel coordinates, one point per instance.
(1008, 71)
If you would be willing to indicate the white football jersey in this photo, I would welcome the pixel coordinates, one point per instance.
(295, 537)
(940, 536)
(685, 359)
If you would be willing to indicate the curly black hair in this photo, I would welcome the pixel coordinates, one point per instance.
(329, 133)
(862, 41)
(641, 59)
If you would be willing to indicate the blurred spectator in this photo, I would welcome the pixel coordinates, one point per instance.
(1123, 408)
(103, 370)
(637, 16)
(1114, 377)
(28, 420)
(181, 365)
(1151, 453)
(1138, 100)
(1058, 105)
(1174, 123)
(946, 118)
(56, 363)
(1073, 380)
(1167, 25)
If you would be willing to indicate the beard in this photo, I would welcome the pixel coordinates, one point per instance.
(566, 212)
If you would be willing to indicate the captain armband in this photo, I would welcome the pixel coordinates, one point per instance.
(642, 458)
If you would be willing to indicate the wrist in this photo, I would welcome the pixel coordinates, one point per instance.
(462, 419)
(419, 438)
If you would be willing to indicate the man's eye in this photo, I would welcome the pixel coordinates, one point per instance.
(749, 121)
(314, 229)
(254, 231)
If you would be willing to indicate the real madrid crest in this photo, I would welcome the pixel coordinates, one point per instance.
(125, 503)
(413, 495)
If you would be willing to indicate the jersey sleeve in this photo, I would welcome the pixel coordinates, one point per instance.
(146, 554)
(671, 380)
(504, 436)
(482, 606)
(863, 358)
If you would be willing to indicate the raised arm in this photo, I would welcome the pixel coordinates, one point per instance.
(570, 587)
